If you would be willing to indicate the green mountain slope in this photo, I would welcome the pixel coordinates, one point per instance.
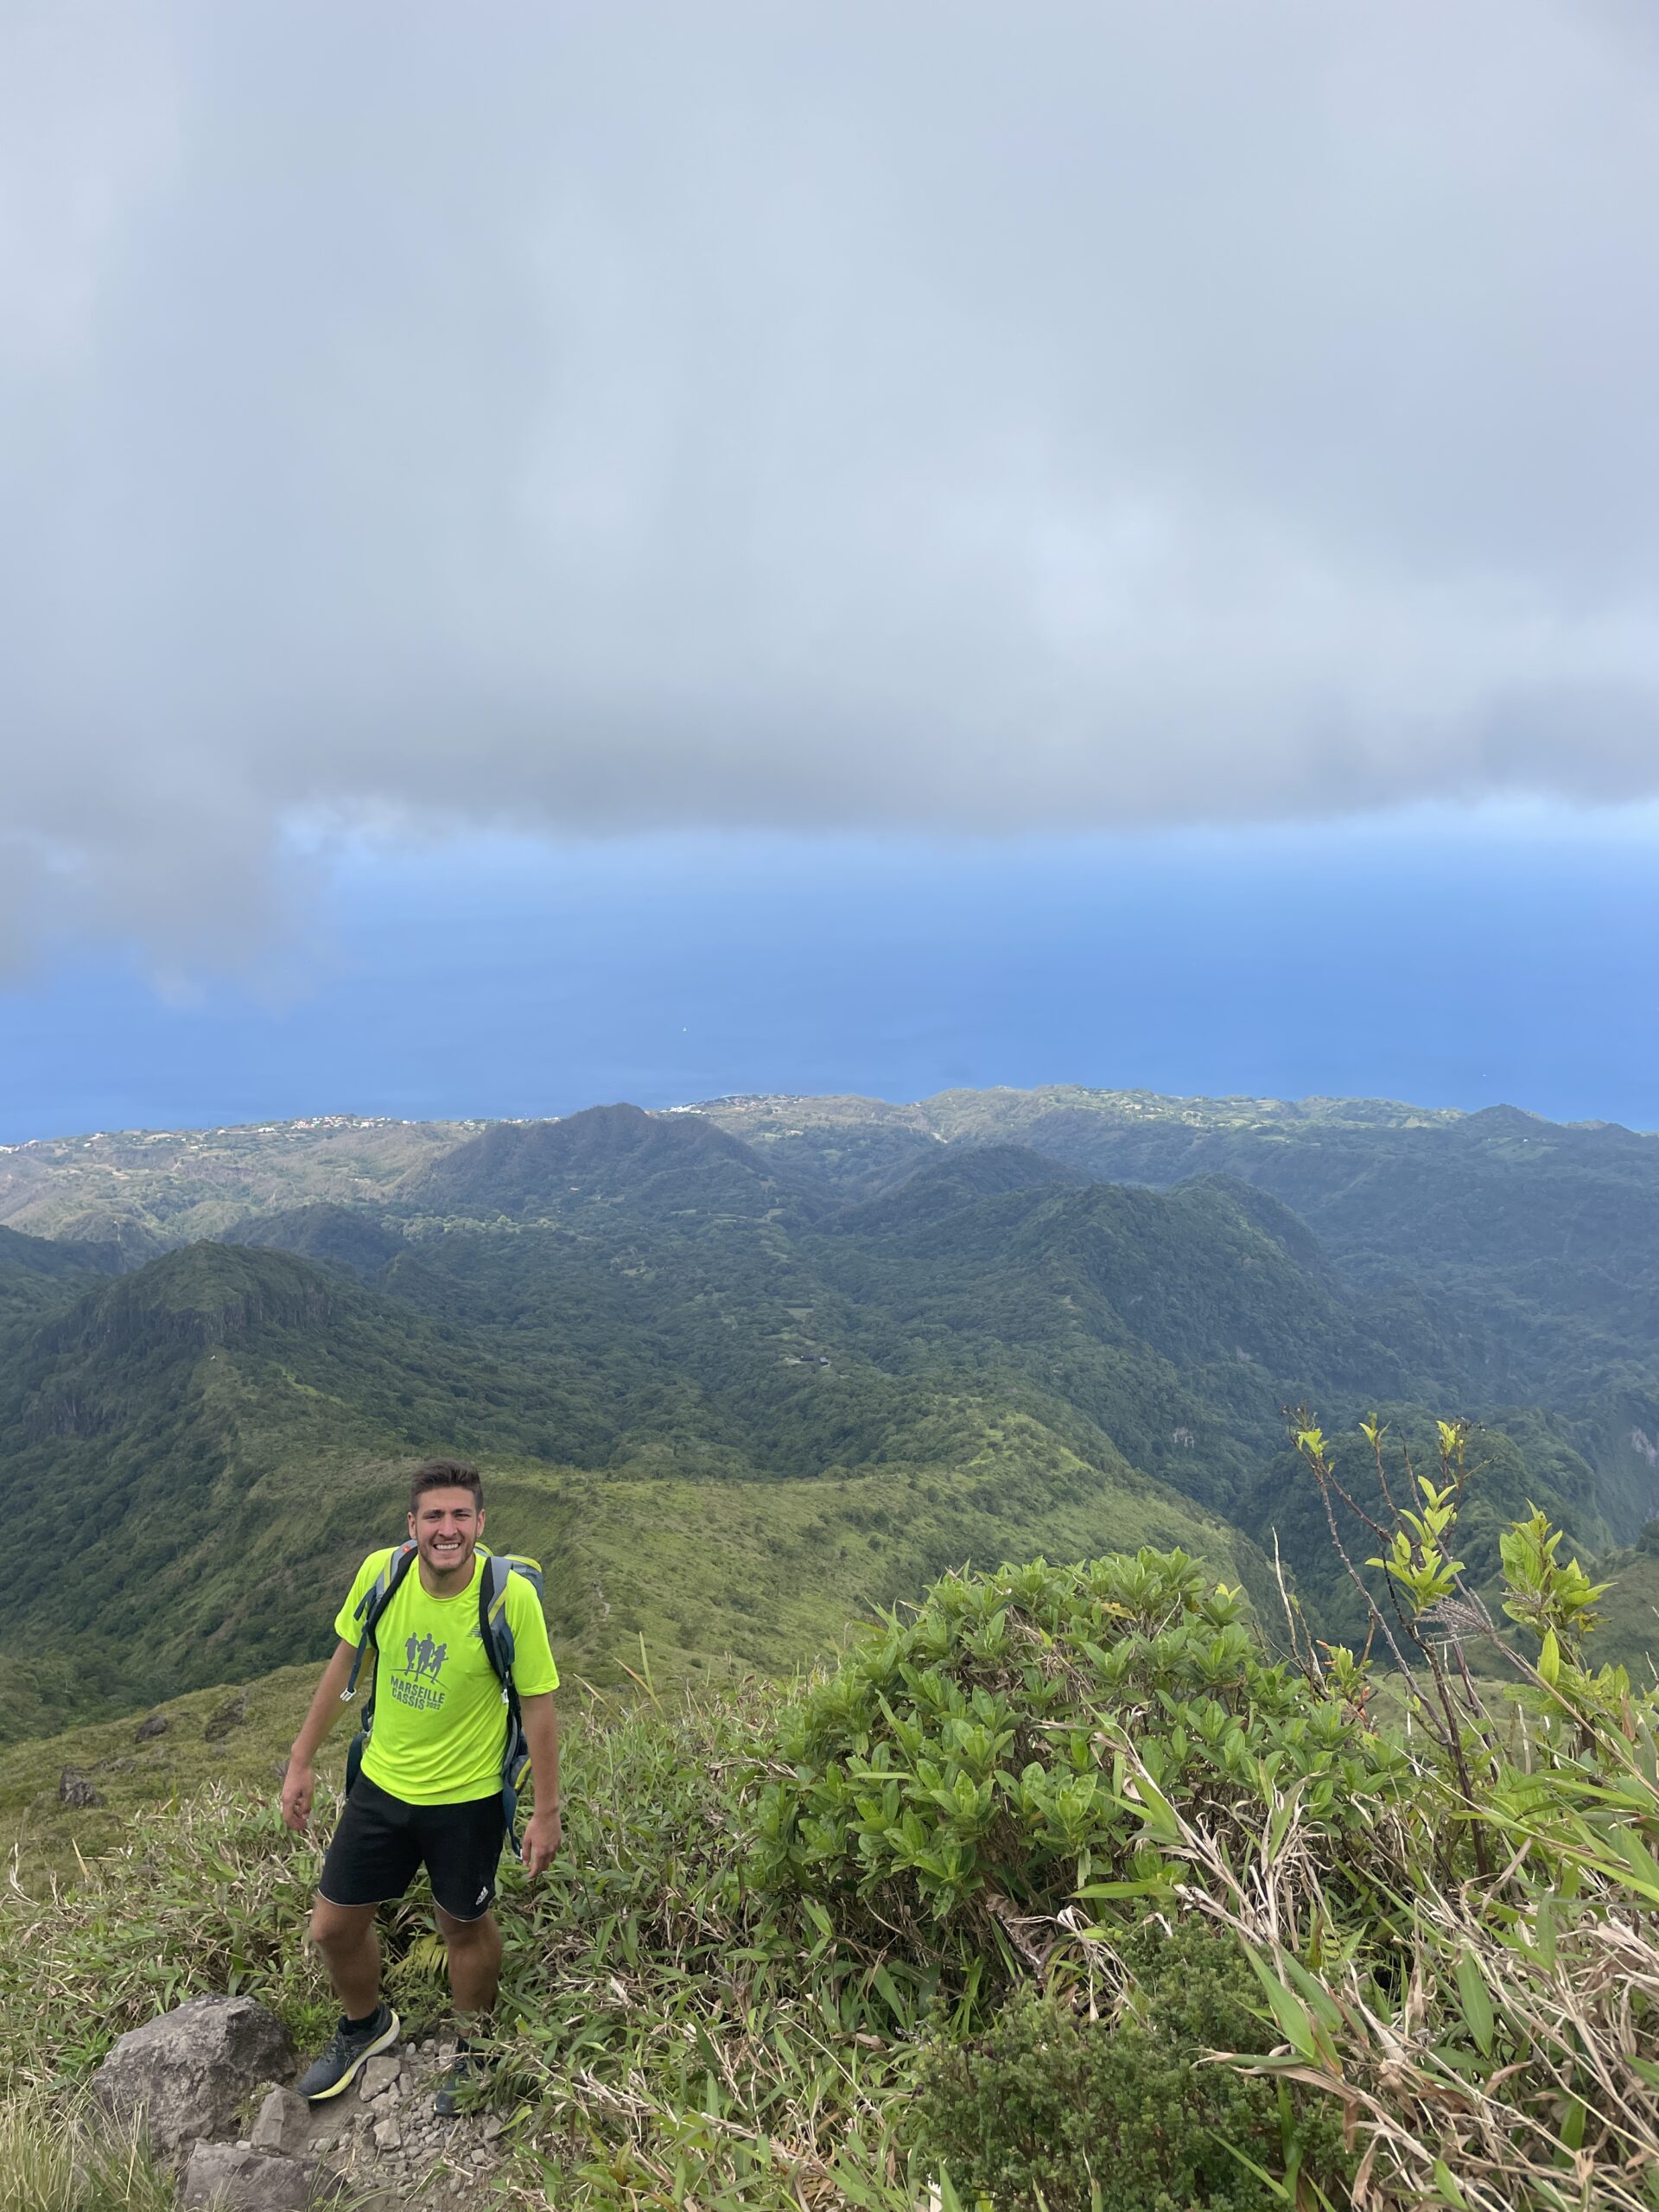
(198, 1453)
(1628, 1634)
(182, 1445)
(1521, 1256)
(737, 1372)
(333, 1236)
(39, 1273)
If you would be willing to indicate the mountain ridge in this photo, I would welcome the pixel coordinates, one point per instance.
(951, 1339)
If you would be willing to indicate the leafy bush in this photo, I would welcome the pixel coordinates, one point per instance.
(1122, 2114)
(1019, 1740)
(1508, 2065)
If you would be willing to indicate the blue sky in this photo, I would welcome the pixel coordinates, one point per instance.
(1446, 961)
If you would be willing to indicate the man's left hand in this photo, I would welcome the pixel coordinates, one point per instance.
(543, 1832)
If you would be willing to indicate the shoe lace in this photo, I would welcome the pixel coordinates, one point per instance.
(345, 2041)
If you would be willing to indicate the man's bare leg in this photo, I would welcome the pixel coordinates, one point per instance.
(345, 1934)
(475, 1952)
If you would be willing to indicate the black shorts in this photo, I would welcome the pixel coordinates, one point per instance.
(381, 1841)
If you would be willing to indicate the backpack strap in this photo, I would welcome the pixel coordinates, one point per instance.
(370, 1607)
(496, 1633)
(493, 1626)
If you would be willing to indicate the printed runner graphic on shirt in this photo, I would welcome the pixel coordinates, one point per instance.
(421, 1657)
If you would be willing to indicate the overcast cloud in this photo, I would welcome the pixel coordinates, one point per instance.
(871, 414)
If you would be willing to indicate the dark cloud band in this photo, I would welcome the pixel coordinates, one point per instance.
(951, 417)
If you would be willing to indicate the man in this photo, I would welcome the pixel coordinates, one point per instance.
(429, 1790)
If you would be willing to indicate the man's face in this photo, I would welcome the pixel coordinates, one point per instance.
(446, 1524)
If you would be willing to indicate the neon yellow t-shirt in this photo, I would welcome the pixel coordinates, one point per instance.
(440, 1716)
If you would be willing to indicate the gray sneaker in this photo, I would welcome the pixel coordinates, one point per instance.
(339, 2065)
(461, 2088)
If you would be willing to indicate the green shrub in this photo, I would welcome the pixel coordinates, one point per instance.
(997, 1750)
(1123, 2114)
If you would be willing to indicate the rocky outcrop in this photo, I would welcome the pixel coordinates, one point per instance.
(283, 2124)
(233, 2177)
(233, 1715)
(384, 2135)
(192, 2075)
(187, 2074)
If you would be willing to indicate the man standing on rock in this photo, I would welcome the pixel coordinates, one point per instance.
(430, 1791)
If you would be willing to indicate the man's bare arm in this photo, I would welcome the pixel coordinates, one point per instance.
(544, 1829)
(301, 1779)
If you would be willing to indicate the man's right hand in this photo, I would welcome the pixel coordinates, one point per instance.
(298, 1783)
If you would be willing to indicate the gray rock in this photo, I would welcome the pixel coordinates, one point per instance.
(218, 1725)
(223, 2174)
(388, 2136)
(73, 1789)
(156, 1725)
(283, 2124)
(379, 2074)
(189, 2071)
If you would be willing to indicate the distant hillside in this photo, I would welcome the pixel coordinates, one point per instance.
(741, 1370)
(1526, 1250)
(664, 1165)
(38, 1274)
(195, 1455)
(334, 1236)
(182, 1446)
(947, 1181)
(145, 1189)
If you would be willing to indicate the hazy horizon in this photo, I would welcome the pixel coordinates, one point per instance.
(1416, 963)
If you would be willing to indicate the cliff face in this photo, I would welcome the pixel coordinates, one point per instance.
(206, 1294)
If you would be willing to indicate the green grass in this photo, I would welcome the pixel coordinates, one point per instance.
(731, 1988)
(63, 2155)
(667, 2032)
(156, 1774)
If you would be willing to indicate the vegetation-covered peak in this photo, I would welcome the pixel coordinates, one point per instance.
(958, 1176)
(538, 1170)
(203, 1294)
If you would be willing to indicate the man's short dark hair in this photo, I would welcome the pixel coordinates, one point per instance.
(445, 1474)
